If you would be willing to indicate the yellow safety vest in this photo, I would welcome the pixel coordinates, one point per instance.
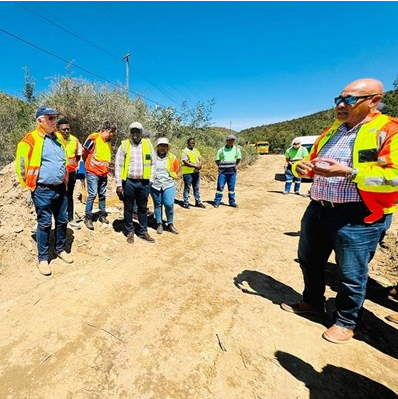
(98, 161)
(71, 150)
(194, 156)
(28, 157)
(147, 150)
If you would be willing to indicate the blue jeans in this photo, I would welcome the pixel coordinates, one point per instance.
(230, 179)
(95, 185)
(136, 192)
(343, 230)
(166, 198)
(50, 201)
(191, 179)
(290, 178)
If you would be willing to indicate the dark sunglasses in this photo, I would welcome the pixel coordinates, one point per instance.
(351, 100)
(51, 118)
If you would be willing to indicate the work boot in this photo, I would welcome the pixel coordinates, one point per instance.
(172, 229)
(147, 237)
(186, 206)
(338, 334)
(130, 238)
(200, 205)
(89, 223)
(159, 230)
(44, 268)
(74, 225)
(103, 219)
(67, 258)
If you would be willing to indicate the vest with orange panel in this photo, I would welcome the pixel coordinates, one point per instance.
(99, 158)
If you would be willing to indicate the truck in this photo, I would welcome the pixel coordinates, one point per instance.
(262, 147)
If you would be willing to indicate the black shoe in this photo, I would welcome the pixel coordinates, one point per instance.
(200, 205)
(216, 205)
(89, 223)
(103, 219)
(172, 229)
(234, 205)
(186, 206)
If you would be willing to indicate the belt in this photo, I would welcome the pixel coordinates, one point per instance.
(50, 186)
(328, 204)
(139, 180)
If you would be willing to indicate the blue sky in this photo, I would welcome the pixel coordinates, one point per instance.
(262, 62)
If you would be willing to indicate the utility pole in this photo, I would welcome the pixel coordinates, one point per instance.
(127, 59)
(230, 127)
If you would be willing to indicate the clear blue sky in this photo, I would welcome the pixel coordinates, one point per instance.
(263, 62)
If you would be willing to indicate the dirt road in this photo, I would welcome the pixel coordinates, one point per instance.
(194, 316)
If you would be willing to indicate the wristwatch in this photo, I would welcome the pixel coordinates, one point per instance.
(352, 174)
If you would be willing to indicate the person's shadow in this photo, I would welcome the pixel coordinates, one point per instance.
(372, 330)
(333, 382)
(70, 237)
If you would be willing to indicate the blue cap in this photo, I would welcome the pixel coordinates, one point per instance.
(44, 110)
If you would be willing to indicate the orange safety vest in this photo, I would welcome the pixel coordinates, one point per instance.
(99, 158)
(28, 157)
(377, 178)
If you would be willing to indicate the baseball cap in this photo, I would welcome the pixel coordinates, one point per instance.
(231, 137)
(296, 142)
(45, 110)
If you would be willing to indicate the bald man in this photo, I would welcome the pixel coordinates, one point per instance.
(354, 164)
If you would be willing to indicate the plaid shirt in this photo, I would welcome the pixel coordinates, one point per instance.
(337, 189)
(135, 168)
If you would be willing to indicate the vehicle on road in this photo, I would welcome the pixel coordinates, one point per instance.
(262, 147)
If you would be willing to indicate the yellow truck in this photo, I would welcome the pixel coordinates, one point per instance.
(262, 147)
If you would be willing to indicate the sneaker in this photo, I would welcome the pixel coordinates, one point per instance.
(393, 318)
(130, 238)
(186, 206)
(172, 229)
(67, 258)
(285, 192)
(216, 205)
(200, 205)
(301, 307)
(338, 334)
(148, 238)
(74, 224)
(89, 223)
(44, 268)
(159, 230)
(103, 219)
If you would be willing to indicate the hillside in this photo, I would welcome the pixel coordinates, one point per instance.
(281, 134)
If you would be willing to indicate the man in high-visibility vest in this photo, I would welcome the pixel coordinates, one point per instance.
(74, 151)
(191, 166)
(41, 165)
(97, 157)
(227, 160)
(132, 174)
(294, 153)
(354, 164)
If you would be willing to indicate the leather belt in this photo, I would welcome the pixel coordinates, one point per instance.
(51, 186)
(329, 204)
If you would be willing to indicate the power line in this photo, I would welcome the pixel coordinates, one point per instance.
(93, 45)
(76, 66)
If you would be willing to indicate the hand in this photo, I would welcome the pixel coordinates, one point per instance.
(120, 192)
(198, 167)
(329, 167)
(303, 167)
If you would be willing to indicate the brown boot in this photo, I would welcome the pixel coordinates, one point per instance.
(393, 317)
(338, 334)
(172, 229)
(89, 223)
(130, 238)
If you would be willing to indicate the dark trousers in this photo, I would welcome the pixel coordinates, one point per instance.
(71, 188)
(136, 191)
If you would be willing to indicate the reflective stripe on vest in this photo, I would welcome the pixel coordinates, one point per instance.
(147, 150)
(28, 158)
(71, 149)
(98, 161)
(193, 156)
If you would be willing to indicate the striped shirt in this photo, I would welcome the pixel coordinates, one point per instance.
(337, 189)
(135, 167)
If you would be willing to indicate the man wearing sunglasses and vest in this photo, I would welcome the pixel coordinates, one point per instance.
(41, 165)
(354, 164)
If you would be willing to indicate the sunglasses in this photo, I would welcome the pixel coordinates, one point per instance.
(51, 118)
(351, 100)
